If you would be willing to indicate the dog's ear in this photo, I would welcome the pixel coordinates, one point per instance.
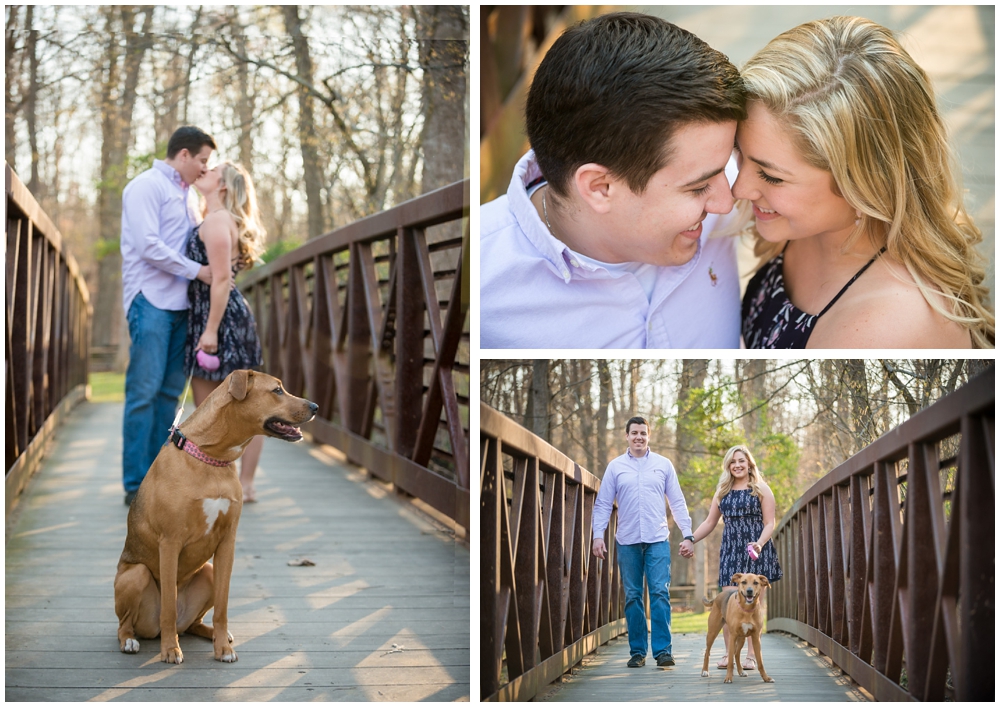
(763, 581)
(239, 384)
(737, 577)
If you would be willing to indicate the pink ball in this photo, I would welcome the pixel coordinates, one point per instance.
(207, 360)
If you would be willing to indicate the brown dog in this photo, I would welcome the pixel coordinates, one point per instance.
(741, 610)
(186, 512)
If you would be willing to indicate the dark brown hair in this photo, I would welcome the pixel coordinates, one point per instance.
(614, 89)
(190, 138)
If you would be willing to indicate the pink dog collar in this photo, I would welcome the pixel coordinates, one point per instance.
(178, 439)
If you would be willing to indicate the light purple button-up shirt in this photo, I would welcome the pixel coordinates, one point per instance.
(158, 212)
(536, 293)
(639, 484)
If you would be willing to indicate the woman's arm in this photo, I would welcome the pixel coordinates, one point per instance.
(767, 509)
(216, 234)
(714, 514)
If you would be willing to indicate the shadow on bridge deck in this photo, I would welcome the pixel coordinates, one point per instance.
(385, 575)
(800, 674)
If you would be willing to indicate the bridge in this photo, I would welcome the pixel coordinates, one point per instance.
(352, 571)
(888, 589)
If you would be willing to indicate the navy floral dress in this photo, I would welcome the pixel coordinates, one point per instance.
(239, 344)
(744, 521)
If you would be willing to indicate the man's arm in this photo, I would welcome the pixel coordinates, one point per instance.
(679, 509)
(141, 211)
(602, 511)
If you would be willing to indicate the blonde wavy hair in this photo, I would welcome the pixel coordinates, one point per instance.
(755, 478)
(240, 200)
(860, 108)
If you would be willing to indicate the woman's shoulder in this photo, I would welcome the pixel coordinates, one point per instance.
(887, 310)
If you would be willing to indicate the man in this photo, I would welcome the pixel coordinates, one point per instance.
(602, 238)
(639, 479)
(159, 209)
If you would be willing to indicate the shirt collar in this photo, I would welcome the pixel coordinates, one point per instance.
(632, 456)
(172, 174)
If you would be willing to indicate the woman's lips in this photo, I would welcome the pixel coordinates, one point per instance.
(764, 215)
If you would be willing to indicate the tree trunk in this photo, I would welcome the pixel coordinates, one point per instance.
(538, 400)
(118, 96)
(606, 395)
(693, 374)
(245, 100)
(752, 387)
(31, 99)
(9, 81)
(444, 44)
(308, 139)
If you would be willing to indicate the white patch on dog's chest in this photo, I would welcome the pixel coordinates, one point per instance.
(213, 507)
(747, 627)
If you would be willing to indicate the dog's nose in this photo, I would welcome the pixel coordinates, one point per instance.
(313, 407)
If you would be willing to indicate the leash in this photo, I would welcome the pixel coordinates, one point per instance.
(177, 438)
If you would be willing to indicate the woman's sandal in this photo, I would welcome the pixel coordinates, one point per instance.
(751, 661)
(250, 495)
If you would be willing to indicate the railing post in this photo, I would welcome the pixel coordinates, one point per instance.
(358, 346)
(410, 306)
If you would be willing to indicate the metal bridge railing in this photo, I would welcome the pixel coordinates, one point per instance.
(889, 559)
(546, 601)
(369, 322)
(48, 334)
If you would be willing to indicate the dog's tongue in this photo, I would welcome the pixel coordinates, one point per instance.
(286, 429)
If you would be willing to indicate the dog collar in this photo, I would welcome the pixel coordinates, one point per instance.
(178, 439)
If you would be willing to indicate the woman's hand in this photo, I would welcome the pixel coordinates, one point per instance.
(757, 548)
(209, 342)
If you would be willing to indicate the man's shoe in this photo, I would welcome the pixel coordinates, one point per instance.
(637, 661)
(129, 495)
(665, 660)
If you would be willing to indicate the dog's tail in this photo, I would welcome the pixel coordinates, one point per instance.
(707, 602)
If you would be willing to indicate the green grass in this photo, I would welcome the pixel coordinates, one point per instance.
(688, 622)
(107, 387)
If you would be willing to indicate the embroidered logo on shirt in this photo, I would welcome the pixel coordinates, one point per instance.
(711, 274)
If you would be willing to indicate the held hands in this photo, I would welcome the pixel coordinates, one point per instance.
(687, 548)
(599, 549)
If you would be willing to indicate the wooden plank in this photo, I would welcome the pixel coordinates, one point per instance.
(800, 674)
(385, 574)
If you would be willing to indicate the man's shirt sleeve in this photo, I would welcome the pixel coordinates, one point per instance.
(605, 501)
(675, 497)
(141, 211)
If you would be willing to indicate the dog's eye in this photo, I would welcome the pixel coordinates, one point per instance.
(278, 391)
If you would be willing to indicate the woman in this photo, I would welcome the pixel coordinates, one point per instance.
(747, 505)
(220, 321)
(858, 219)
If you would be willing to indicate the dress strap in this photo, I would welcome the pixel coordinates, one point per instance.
(851, 282)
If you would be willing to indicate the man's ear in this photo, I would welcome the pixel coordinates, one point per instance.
(593, 185)
(239, 383)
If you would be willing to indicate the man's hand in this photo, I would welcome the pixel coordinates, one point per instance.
(687, 548)
(599, 549)
(205, 274)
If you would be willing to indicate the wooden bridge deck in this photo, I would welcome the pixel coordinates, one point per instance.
(383, 614)
(800, 672)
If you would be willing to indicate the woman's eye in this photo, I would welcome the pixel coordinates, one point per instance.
(768, 178)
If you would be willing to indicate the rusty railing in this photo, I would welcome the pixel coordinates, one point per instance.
(546, 602)
(889, 559)
(369, 322)
(48, 330)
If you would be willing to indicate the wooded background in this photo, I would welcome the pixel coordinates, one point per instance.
(338, 112)
(800, 418)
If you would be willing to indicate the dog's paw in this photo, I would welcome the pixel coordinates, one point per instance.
(728, 680)
(768, 679)
(704, 673)
(172, 655)
(130, 645)
(226, 655)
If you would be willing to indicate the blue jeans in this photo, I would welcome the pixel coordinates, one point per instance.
(651, 560)
(153, 382)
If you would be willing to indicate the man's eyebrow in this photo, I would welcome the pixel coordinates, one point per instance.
(704, 177)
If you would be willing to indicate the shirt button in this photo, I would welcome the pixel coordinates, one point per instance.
(574, 263)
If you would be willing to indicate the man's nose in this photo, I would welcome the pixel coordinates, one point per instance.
(721, 201)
